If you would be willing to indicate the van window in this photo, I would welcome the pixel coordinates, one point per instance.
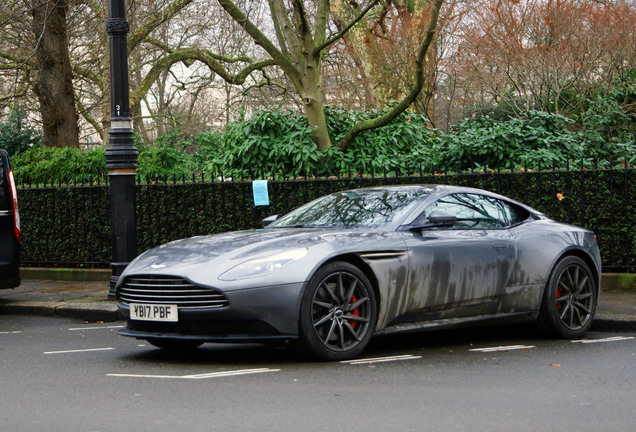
(5, 191)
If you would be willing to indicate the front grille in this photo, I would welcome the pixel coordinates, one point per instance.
(169, 290)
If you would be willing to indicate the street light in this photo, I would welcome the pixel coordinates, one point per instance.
(121, 155)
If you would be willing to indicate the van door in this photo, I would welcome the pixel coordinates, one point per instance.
(9, 226)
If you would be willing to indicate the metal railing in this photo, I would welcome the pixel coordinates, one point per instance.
(69, 225)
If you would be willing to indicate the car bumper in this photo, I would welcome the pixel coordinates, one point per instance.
(257, 314)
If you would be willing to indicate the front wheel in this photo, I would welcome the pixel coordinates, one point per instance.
(338, 313)
(569, 300)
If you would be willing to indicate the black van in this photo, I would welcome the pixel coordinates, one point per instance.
(9, 226)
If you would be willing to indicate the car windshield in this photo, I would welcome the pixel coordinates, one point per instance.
(365, 207)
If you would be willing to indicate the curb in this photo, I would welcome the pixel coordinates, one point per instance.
(613, 323)
(91, 312)
(618, 281)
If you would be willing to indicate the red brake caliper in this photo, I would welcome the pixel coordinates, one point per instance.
(356, 312)
(558, 294)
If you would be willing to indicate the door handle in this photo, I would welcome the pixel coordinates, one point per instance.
(500, 245)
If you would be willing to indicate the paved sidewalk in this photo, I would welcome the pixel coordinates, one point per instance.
(88, 301)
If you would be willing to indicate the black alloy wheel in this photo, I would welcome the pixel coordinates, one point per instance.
(338, 313)
(569, 301)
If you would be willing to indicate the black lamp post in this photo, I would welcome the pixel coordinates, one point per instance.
(121, 155)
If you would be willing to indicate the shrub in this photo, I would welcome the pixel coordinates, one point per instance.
(167, 157)
(534, 139)
(60, 165)
(272, 141)
(16, 135)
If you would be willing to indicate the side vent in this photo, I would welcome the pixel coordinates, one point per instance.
(379, 256)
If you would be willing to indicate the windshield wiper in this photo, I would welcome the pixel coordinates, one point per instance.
(291, 226)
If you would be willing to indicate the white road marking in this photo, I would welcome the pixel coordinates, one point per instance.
(11, 332)
(97, 328)
(503, 348)
(79, 351)
(199, 376)
(381, 359)
(609, 339)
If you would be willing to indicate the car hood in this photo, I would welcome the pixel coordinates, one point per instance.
(202, 259)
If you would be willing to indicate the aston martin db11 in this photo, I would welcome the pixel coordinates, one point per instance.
(338, 270)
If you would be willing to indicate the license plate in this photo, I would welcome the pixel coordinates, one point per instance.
(154, 312)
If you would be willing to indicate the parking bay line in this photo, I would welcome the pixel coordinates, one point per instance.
(96, 328)
(12, 332)
(608, 339)
(199, 376)
(381, 359)
(79, 350)
(503, 348)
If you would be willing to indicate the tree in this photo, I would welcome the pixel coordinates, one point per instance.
(384, 47)
(301, 41)
(82, 82)
(296, 45)
(538, 54)
(39, 57)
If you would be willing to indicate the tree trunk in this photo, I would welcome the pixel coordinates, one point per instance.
(54, 87)
(311, 94)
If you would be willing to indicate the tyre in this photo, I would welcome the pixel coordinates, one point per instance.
(337, 314)
(175, 344)
(569, 300)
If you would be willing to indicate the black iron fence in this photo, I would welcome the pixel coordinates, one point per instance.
(69, 225)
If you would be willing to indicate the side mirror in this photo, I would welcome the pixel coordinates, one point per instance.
(441, 218)
(437, 218)
(268, 220)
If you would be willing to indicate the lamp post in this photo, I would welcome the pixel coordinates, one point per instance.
(121, 155)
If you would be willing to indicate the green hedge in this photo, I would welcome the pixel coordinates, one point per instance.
(70, 226)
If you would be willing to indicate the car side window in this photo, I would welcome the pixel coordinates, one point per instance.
(472, 211)
(512, 214)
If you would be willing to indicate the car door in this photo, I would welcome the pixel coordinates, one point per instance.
(462, 269)
(9, 226)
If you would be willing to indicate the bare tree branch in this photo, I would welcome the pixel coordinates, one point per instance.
(342, 32)
(408, 99)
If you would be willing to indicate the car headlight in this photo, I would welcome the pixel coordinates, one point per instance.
(263, 266)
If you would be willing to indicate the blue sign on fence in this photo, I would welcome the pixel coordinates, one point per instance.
(261, 196)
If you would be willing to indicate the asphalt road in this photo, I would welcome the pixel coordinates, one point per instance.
(58, 375)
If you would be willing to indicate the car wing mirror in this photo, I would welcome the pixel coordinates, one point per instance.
(436, 219)
(441, 218)
(268, 220)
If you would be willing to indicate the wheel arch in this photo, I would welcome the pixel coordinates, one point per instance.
(587, 259)
(358, 262)
(311, 340)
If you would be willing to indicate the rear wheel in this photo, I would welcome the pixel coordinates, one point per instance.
(175, 344)
(338, 313)
(569, 300)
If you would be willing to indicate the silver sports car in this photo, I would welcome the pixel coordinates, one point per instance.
(334, 272)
